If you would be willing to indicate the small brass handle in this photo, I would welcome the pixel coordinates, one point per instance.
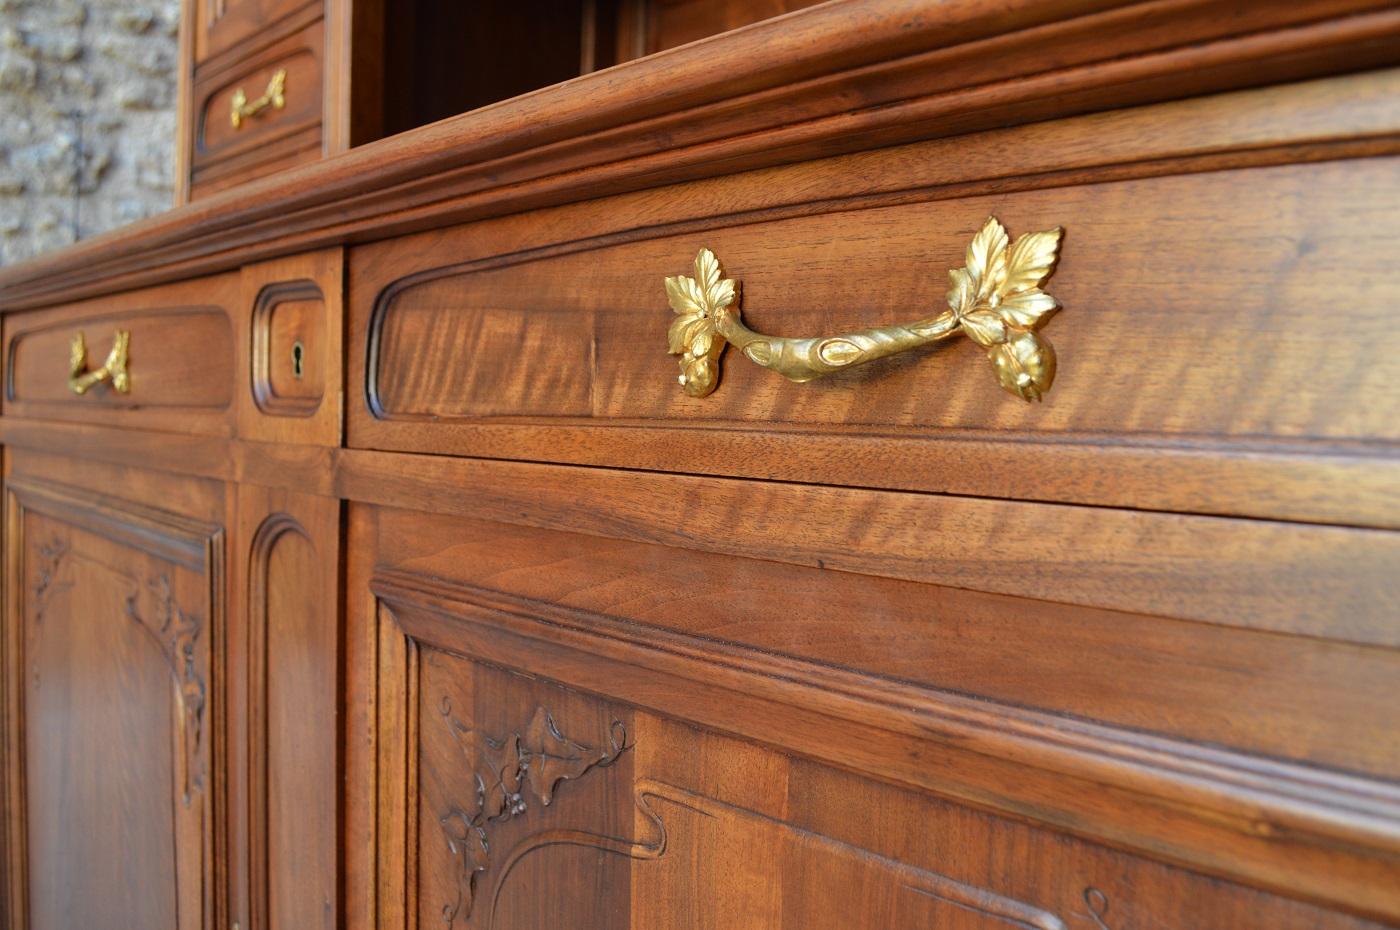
(80, 380)
(995, 299)
(275, 96)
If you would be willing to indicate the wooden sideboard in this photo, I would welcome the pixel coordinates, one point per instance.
(399, 548)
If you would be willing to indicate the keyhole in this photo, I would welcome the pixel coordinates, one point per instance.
(298, 350)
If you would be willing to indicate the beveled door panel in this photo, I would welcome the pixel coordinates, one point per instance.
(285, 793)
(509, 801)
(538, 763)
(112, 613)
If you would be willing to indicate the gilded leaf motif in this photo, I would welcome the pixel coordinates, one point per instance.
(960, 290)
(1031, 258)
(1027, 308)
(982, 253)
(697, 302)
(985, 327)
(998, 303)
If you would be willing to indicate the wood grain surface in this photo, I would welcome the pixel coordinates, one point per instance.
(1247, 269)
(113, 775)
(414, 593)
(430, 603)
(180, 359)
(290, 342)
(837, 77)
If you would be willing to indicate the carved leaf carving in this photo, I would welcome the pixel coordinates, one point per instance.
(548, 757)
(539, 756)
(177, 633)
(47, 585)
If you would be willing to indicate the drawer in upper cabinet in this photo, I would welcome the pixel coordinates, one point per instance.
(259, 113)
(1216, 305)
(161, 358)
(221, 24)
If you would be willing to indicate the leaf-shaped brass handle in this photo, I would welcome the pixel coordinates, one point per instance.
(995, 299)
(80, 380)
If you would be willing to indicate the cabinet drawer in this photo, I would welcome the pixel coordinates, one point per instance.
(178, 364)
(259, 114)
(1198, 315)
(222, 24)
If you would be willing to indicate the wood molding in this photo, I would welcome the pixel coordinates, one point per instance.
(854, 75)
(1132, 790)
(283, 677)
(1344, 487)
(1326, 581)
(269, 533)
(1223, 570)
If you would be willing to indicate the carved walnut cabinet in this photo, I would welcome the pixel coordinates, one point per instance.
(877, 464)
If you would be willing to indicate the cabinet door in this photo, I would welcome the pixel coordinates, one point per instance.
(112, 610)
(561, 738)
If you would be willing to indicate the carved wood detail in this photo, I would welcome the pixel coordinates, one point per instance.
(161, 586)
(536, 757)
(51, 556)
(153, 606)
(1097, 902)
(176, 632)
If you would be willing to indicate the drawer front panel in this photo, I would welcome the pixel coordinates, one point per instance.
(294, 346)
(222, 24)
(1222, 320)
(179, 359)
(277, 94)
(1217, 323)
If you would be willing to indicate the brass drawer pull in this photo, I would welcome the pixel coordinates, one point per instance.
(275, 96)
(995, 299)
(80, 381)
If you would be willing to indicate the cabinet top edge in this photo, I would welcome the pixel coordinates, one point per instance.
(845, 76)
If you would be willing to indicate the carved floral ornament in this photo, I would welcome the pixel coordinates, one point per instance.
(507, 774)
(995, 299)
(175, 632)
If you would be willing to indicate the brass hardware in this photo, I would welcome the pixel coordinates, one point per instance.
(80, 381)
(995, 299)
(275, 96)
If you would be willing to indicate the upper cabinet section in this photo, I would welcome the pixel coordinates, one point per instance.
(260, 113)
(255, 99)
(271, 84)
(646, 26)
(441, 59)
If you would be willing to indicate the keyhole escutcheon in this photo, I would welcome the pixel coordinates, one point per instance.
(298, 353)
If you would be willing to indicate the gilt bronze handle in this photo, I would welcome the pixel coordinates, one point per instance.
(995, 299)
(275, 97)
(80, 380)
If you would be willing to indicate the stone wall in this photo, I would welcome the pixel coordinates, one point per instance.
(87, 118)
